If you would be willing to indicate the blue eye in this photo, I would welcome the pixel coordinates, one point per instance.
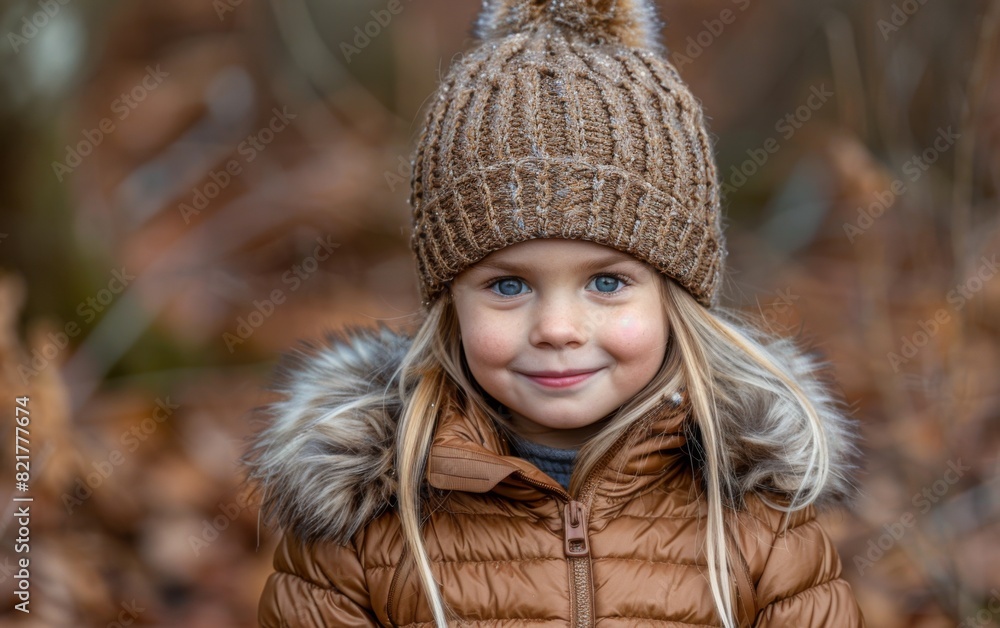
(508, 287)
(606, 283)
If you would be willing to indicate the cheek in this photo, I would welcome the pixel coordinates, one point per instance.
(634, 330)
(629, 330)
(639, 337)
(487, 344)
(484, 349)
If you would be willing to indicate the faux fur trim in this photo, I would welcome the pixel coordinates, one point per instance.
(769, 440)
(323, 463)
(632, 23)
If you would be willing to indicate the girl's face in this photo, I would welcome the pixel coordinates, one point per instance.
(562, 333)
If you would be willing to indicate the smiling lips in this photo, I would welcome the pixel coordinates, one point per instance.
(560, 379)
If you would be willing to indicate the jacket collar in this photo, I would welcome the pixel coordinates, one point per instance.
(467, 454)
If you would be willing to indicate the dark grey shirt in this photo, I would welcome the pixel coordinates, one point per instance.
(558, 463)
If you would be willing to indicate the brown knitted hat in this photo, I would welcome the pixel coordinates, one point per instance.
(567, 122)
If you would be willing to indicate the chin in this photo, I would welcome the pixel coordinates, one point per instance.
(567, 420)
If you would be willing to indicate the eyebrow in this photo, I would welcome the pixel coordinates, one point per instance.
(590, 265)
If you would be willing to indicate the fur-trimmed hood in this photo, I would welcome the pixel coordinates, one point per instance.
(323, 463)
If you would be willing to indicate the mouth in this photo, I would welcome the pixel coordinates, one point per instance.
(560, 379)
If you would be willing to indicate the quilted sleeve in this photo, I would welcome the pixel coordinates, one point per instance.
(801, 582)
(315, 586)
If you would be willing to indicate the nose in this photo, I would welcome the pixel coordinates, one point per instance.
(560, 321)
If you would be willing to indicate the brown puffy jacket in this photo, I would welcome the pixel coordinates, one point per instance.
(508, 544)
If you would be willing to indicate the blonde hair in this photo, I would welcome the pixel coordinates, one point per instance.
(730, 370)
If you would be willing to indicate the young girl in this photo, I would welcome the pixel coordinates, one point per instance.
(575, 435)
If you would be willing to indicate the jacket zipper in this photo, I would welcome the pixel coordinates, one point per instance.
(576, 539)
(577, 542)
(577, 550)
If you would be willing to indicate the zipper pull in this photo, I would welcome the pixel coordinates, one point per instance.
(575, 529)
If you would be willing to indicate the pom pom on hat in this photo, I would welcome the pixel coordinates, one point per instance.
(631, 23)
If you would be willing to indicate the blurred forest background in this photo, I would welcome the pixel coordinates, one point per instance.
(166, 167)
